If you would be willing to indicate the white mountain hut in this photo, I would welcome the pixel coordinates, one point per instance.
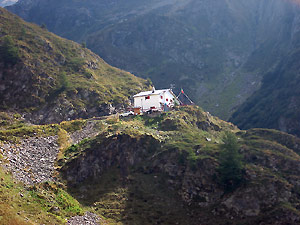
(155, 100)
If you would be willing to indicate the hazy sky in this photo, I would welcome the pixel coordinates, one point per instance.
(7, 2)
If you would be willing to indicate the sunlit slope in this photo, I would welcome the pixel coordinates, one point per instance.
(53, 79)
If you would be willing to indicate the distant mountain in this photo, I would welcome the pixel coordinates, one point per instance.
(50, 79)
(7, 2)
(218, 51)
(277, 103)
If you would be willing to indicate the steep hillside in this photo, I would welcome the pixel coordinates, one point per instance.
(29, 192)
(163, 170)
(146, 170)
(218, 51)
(50, 79)
(277, 103)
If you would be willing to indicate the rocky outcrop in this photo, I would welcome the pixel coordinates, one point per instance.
(196, 182)
(90, 130)
(131, 169)
(87, 219)
(120, 150)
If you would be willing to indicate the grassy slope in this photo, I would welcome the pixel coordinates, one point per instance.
(47, 203)
(145, 196)
(59, 68)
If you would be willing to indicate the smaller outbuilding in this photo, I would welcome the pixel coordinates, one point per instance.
(155, 100)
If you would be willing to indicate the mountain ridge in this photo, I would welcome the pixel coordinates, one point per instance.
(218, 51)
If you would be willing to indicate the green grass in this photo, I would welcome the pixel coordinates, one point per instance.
(43, 204)
(13, 128)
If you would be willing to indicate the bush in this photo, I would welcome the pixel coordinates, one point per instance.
(9, 52)
(231, 167)
(83, 45)
(63, 85)
(43, 26)
(75, 63)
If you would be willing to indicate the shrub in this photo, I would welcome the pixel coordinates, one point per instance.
(75, 63)
(9, 52)
(63, 85)
(43, 26)
(67, 203)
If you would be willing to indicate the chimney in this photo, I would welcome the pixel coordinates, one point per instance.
(153, 89)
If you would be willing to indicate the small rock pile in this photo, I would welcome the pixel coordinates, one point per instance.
(32, 160)
(88, 219)
(90, 130)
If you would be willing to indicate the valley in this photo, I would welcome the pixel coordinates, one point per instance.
(218, 51)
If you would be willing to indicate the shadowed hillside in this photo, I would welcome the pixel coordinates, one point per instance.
(277, 103)
(218, 51)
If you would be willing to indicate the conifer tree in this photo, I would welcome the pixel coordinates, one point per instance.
(231, 167)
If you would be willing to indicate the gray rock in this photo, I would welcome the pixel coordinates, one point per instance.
(32, 160)
(88, 219)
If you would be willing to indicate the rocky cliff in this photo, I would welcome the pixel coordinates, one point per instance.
(217, 50)
(50, 79)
